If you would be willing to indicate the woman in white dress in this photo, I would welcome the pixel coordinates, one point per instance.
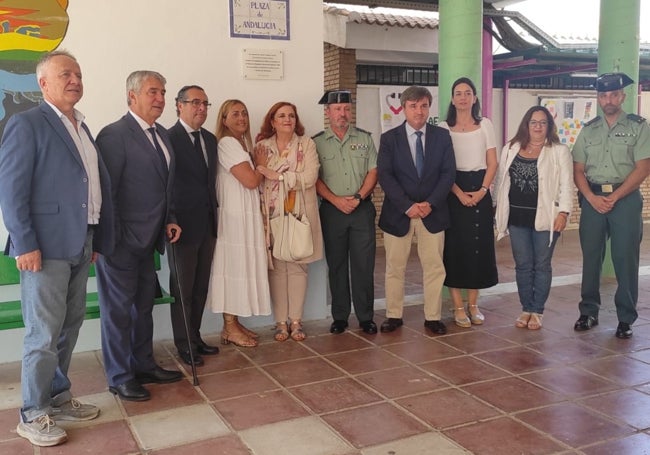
(239, 280)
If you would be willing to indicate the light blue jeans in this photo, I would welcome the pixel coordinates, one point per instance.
(532, 254)
(53, 304)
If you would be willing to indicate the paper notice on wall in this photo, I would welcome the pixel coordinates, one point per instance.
(391, 108)
(570, 115)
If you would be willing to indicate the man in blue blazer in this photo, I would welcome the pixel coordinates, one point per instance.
(195, 199)
(53, 193)
(140, 161)
(416, 168)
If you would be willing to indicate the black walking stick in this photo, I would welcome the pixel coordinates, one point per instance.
(195, 378)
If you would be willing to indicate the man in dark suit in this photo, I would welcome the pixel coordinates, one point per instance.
(140, 161)
(53, 192)
(417, 168)
(195, 199)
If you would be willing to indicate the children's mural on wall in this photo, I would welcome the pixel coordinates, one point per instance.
(570, 115)
(28, 28)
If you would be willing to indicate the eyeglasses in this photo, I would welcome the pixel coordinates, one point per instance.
(534, 123)
(196, 103)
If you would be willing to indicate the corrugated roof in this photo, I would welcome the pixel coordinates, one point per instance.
(392, 20)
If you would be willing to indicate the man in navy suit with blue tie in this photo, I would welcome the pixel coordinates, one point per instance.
(54, 191)
(140, 161)
(416, 168)
(195, 199)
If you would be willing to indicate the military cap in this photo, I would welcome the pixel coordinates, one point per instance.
(609, 82)
(335, 97)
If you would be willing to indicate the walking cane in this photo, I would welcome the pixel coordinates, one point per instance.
(195, 378)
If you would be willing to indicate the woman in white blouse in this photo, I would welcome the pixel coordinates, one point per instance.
(469, 256)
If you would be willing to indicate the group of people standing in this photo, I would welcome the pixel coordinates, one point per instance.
(69, 201)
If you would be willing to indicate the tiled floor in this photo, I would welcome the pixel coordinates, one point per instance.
(491, 389)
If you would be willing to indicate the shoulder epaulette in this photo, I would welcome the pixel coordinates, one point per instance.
(636, 118)
(593, 120)
(363, 131)
(317, 134)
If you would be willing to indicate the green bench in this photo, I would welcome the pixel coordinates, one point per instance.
(10, 313)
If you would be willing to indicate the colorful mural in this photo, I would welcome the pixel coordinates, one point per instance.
(28, 28)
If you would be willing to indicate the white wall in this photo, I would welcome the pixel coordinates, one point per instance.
(189, 43)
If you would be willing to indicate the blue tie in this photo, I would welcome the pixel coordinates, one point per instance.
(419, 154)
(159, 149)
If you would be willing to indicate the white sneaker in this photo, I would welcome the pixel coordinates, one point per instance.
(75, 411)
(42, 431)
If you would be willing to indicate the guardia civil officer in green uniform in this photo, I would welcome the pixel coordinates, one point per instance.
(348, 175)
(611, 159)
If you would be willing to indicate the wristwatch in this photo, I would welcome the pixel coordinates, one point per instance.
(357, 196)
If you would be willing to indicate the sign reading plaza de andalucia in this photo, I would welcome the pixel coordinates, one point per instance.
(261, 19)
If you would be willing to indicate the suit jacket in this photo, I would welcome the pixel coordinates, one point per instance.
(402, 186)
(44, 187)
(195, 192)
(141, 185)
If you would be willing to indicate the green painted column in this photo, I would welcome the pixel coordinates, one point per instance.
(459, 46)
(618, 44)
(618, 51)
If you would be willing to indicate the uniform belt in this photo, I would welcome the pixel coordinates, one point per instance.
(604, 187)
(325, 201)
(92, 227)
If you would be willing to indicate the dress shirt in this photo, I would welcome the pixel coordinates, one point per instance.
(190, 130)
(412, 137)
(145, 127)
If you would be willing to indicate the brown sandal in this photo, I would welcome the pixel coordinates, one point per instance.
(247, 331)
(281, 331)
(535, 321)
(522, 320)
(231, 333)
(297, 334)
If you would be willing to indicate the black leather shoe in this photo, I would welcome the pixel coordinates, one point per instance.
(368, 327)
(437, 327)
(131, 390)
(585, 322)
(338, 326)
(158, 376)
(185, 357)
(391, 324)
(205, 349)
(623, 330)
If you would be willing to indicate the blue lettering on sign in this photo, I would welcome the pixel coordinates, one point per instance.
(260, 25)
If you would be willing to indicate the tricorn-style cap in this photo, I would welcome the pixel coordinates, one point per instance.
(612, 81)
(336, 96)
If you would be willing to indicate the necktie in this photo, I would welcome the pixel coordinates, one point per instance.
(197, 145)
(419, 154)
(159, 149)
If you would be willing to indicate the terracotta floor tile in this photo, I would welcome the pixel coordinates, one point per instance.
(373, 424)
(516, 360)
(400, 335)
(628, 406)
(302, 371)
(9, 419)
(225, 445)
(330, 344)
(512, 394)
(236, 383)
(365, 360)
(522, 336)
(570, 382)
(112, 437)
(569, 350)
(447, 408)
(259, 409)
(605, 338)
(17, 446)
(226, 360)
(401, 381)
(334, 395)
(463, 370)
(643, 356)
(164, 396)
(278, 352)
(620, 369)
(423, 350)
(574, 425)
(421, 444)
(635, 444)
(10, 394)
(475, 341)
(502, 436)
(87, 382)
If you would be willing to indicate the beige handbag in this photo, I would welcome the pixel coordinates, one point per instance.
(292, 240)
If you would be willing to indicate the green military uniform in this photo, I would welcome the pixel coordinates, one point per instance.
(349, 239)
(609, 156)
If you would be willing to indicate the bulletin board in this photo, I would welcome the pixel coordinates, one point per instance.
(570, 115)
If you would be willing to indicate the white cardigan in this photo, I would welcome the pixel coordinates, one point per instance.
(555, 183)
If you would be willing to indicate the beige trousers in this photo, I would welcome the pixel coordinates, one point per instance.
(288, 285)
(430, 247)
